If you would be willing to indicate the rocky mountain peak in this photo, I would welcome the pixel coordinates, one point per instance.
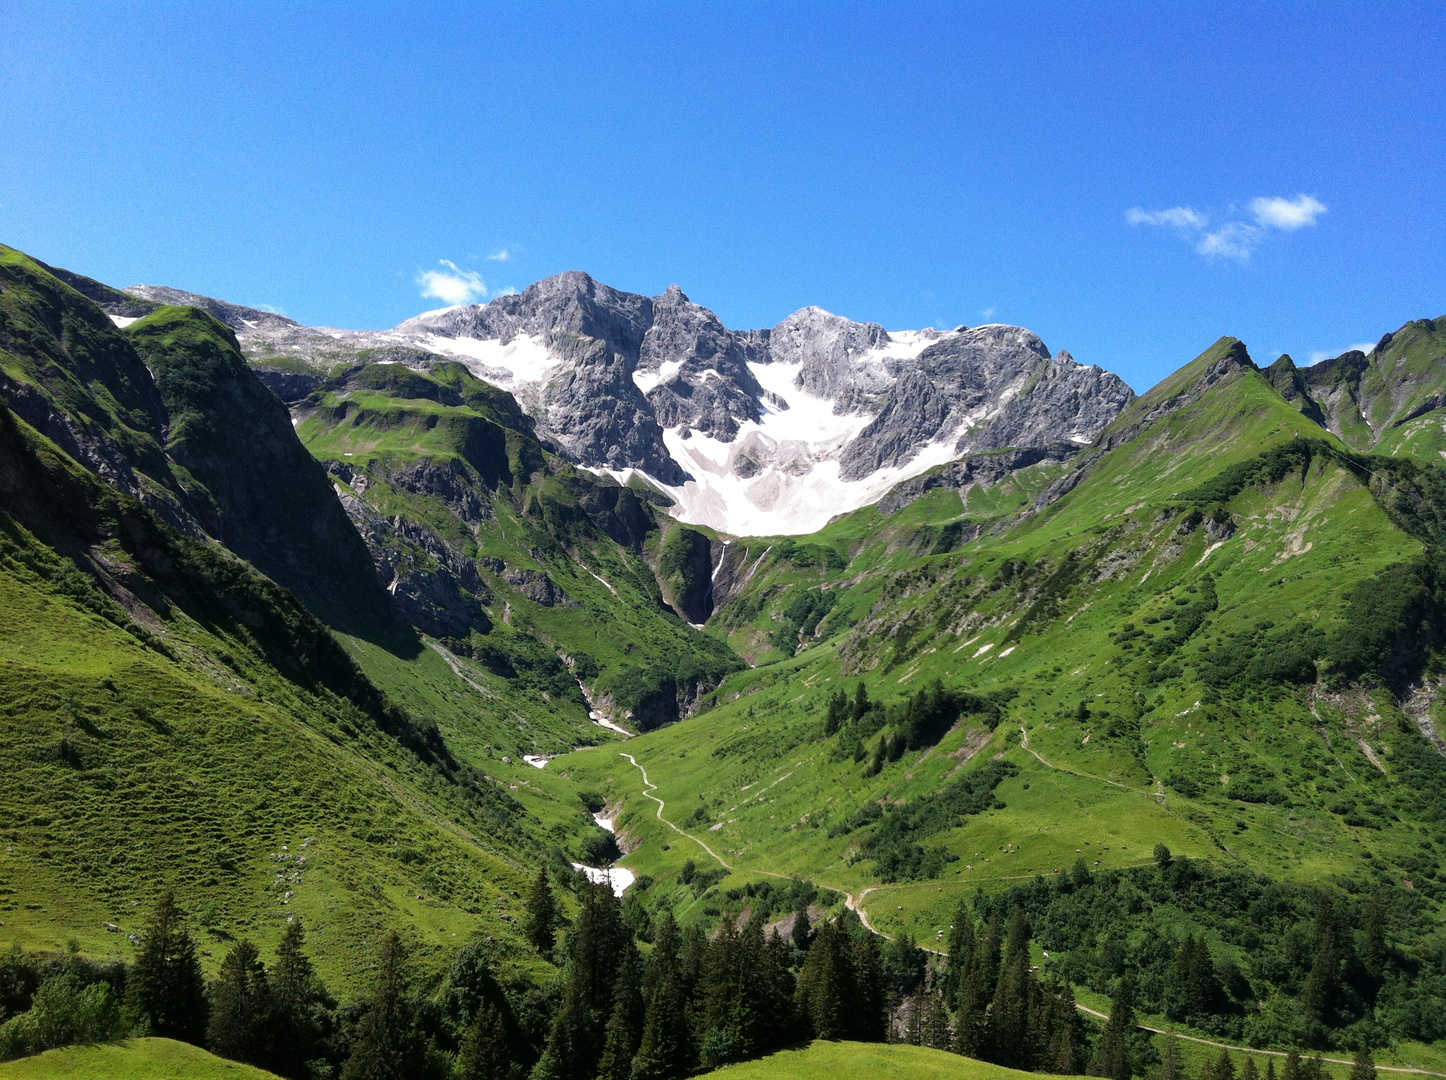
(750, 431)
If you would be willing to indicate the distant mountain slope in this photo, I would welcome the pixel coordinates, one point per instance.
(758, 431)
(1219, 628)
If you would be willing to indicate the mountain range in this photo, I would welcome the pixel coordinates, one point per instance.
(749, 432)
(919, 617)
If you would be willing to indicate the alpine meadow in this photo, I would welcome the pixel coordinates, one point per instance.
(571, 687)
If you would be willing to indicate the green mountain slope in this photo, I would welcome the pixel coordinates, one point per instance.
(543, 576)
(1216, 632)
(172, 717)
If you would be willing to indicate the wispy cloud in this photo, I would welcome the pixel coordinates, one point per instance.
(987, 313)
(1178, 217)
(1287, 214)
(1233, 240)
(1318, 355)
(500, 255)
(452, 286)
(1233, 237)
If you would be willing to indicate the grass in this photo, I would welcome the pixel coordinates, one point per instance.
(865, 1061)
(134, 1059)
(766, 785)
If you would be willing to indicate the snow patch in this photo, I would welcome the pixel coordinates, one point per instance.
(122, 320)
(618, 878)
(524, 359)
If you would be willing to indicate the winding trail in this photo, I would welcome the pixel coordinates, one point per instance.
(855, 903)
(1252, 1050)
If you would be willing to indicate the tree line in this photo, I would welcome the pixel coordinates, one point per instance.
(658, 1001)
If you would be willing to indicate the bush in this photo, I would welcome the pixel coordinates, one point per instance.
(65, 1012)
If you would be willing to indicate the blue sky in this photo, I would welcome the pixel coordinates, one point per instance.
(1102, 173)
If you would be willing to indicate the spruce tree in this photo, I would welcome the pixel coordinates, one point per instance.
(826, 989)
(936, 1021)
(387, 1044)
(625, 1025)
(1292, 1066)
(861, 704)
(1112, 1056)
(1171, 1067)
(595, 950)
(165, 988)
(1222, 1068)
(868, 1023)
(1374, 953)
(975, 991)
(664, 1052)
(241, 1022)
(1270, 1068)
(802, 928)
(485, 1053)
(299, 1006)
(1248, 1071)
(838, 711)
(541, 925)
(962, 947)
(1364, 1066)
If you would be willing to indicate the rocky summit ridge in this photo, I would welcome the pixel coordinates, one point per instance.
(751, 432)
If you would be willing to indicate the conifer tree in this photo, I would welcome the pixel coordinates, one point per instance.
(975, 992)
(1292, 1069)
(838, 712)
(962, 947)
(1008, 1040)
(166, 989)
(595, 949)
(485, 1053)
(861, 703)
(1171, 1067)
(625, 1026)
(1374, 953)
(1248, 1071)
(867, 1023)
(1222, 1068)
(387, 1045)
(299, 1006)
(664, 1051)
(241, 1022)
(826, 989)
(802, 928)
(1112, 1056)
(541, 925)
(1364, 1066)
(1270, 1068)
(1058, 1032)
(936, 1022)
(1313, 1068)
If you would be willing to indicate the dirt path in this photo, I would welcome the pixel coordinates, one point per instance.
(855, 903)
(1251, 1050)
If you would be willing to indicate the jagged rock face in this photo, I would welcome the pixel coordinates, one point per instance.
(706, 385)
(580, 389)
(750, 432)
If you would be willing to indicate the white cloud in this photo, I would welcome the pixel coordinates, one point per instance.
(1233, 240)
(1287, 214)
(1318, 355)
(987, 313)
(506, 290)
(452, 286)
(500, 255)
(1177, 217)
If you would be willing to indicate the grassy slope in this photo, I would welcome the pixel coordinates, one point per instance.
(134, 1059)
(184, 775)
(865, 1061)
(383, 419)
(758, 766)
(206, 762)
